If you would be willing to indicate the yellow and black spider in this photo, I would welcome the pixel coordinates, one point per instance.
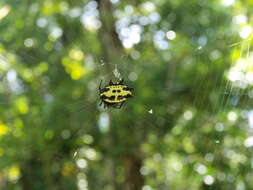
(114, 95)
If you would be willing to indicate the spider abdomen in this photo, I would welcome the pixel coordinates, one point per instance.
(115, 94)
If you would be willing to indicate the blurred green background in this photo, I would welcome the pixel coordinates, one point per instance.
(189, 125)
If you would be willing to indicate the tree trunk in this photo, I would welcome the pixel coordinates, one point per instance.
(134, 179)
(111, 46)
(112, 51)
(31, 173)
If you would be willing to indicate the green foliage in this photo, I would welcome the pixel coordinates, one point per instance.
(187, 125)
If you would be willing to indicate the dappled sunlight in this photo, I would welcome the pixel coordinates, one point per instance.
(241, 73)
(245, 32)
(21, 105)
(74, 64)
(4, 11)
(89, 17)
(228, 2)
(3, 129)
(188, 124)
(14, 173)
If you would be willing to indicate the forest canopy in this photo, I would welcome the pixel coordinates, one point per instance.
(188, 125)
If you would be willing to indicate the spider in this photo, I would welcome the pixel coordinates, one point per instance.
(114, 95)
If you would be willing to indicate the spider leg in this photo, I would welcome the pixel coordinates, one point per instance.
(110, 83)
(100, 85)
(121, 81)
(121, 105)
(101, 102)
